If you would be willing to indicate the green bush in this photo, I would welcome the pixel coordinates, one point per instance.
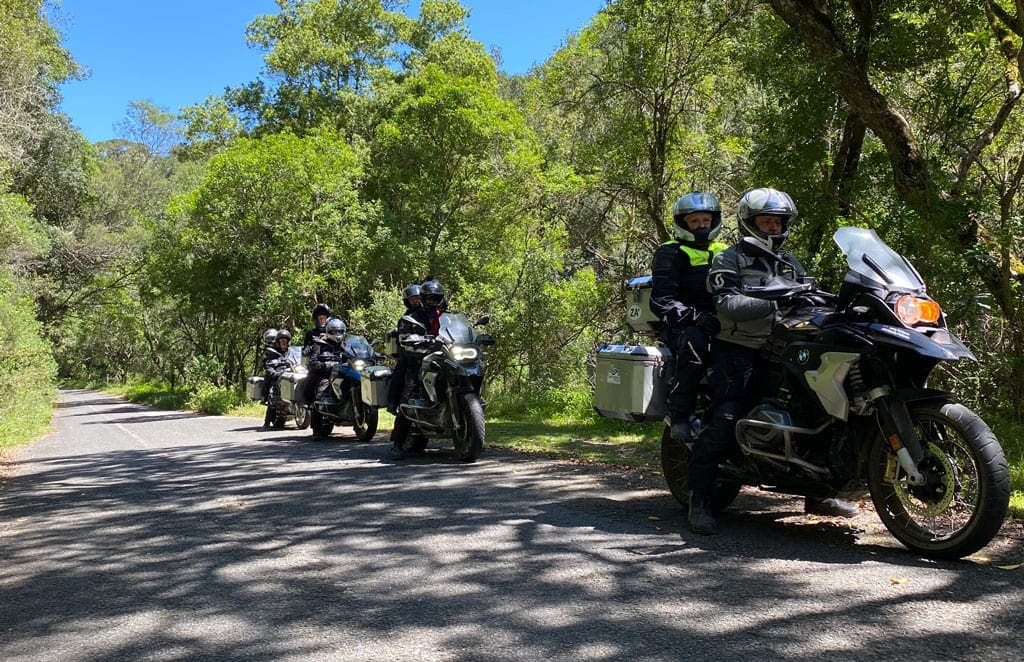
(211, 399)
(27, 370)
(153, 393)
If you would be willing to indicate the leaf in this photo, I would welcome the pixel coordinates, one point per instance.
(654, 518)
(1011, 567)
(896, 581)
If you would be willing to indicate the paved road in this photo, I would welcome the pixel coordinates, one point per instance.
(132, 533)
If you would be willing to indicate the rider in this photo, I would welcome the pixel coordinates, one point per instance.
(764, 216)
(679, 296)
(320, 313)
(411, 297)
(269, 353)
(326, 353)
(423, 324)
(275, 363)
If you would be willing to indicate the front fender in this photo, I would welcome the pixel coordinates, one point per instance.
(938, 344)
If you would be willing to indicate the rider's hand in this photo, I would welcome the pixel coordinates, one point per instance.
(708, 323)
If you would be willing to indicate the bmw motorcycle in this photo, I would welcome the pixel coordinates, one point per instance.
(844, 403)
(451, 375)
(342, 402)
(286, 408)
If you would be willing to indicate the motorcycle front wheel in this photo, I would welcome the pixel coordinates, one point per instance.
(964, 499)
(301, 418)
(366, 421)
(469, 439)
(322, 426)
(675, 467)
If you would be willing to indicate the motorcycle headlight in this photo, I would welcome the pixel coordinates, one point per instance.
(911, 310)
(463, 353)
(358, 365)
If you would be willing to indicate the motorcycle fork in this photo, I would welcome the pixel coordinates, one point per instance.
(898, 430)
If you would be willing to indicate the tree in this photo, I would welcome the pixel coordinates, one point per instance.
(963, 188)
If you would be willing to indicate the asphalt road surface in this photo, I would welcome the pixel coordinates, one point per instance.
(138, 534)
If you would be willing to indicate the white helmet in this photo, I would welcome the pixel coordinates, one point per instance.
(336, 329)
(269, 336)
(757, 201)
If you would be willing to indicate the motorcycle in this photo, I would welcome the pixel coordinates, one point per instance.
(342, 402)
(451, 376)
(844, 404)
(283, 406)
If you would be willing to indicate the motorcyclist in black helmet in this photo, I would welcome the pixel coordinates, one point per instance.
(411, 297)
(424, 321)
(764, 216)
(679, 296)
(275, 363)
(321, 313)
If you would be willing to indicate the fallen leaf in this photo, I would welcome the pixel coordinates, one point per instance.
(655, 473)
(1010, 567)
(896, 581)
(654, 518)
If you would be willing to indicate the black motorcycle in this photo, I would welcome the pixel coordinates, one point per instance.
(844, 403)
(451, 376)
(342, 402)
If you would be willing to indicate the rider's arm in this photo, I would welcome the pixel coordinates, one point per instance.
(725, 283)
(667, 269)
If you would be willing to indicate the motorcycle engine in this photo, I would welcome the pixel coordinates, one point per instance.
(763, 428)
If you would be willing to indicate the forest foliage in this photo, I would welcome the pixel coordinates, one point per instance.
(377, 147)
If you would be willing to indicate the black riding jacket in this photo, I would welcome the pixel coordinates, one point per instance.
(679, 282)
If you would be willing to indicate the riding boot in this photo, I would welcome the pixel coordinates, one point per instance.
(701, 519)
(830, 507)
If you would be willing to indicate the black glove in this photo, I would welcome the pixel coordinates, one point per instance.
(707, 323)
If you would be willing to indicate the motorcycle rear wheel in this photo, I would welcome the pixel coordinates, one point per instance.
(675, 467)
(469, 440)
(961, 507)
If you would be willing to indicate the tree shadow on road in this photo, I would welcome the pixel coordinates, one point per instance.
(279, 546)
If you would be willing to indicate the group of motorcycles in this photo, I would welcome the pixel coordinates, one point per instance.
(844, 404)
(445, 402)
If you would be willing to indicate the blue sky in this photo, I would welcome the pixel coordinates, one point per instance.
(178, 53)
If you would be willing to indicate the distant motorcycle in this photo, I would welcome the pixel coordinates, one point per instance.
(342, 402)
(448, 404)
(284, 407)
(844, 403)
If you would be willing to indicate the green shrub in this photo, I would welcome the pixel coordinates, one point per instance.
(27, 370)
(156, 394)
(211, 399)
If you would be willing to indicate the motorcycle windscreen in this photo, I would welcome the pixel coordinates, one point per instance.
(456, 327)
(871, 259)
(358, 347)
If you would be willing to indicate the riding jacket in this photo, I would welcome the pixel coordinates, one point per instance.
(679, 283)
(747, 320)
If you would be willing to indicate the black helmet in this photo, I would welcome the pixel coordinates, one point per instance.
(284, 334)
(410, 291)
(691, 203)
(433, 294)
(321, 309)
(767, 201)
